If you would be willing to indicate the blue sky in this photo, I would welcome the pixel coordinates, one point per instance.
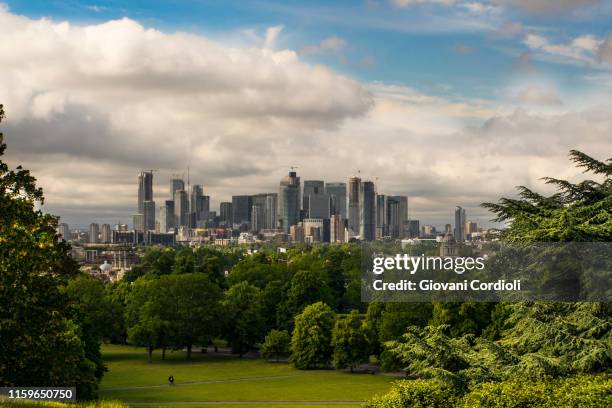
(454, 49)
(451, 102)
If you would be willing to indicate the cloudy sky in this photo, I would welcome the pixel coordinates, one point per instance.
(450, 102)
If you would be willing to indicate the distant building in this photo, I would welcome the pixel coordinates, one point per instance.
(167, 218)
(271, 211)
(337, 195)
(337, 229)
(315, 203)
(397, 216)
(176, 184)
(139, 222)
(64, 231)
(382, 216)
(105, 234)
(313, 228)
(354, 188)
(289, 202)
(413, 230)
(367, 211)
(145, 189)
(181, 208)
(257, 217)
(225, 214)
(149, 215)
(296, 232)
(459, 224)
(241, 209)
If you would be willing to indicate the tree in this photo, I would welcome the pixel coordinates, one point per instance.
(349, 342)
(244, 323)
(276, 344)
(307, 287)
(371, 326)
(311, 340)
(40, 342)
(398, 316)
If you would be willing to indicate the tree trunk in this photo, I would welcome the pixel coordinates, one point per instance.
(150, 354)
(189, 351)
(163, 353)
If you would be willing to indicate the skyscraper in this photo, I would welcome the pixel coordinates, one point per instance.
(181, 208)
(354, 186)
(459, 224)
(145, 189)
(176, 184)
(311, 188)
(149, 215)
(367, 211)
(166, 217)
(336, 227)
(289, 202)
(241, 209)
(257, 217)
(382, 216)
(337, 195)
(397, 216)
(105, 234)
(64, 230)
(271, 211)
(94, 230)
(225, 214)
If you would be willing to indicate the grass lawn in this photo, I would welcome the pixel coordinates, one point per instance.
(210, 377)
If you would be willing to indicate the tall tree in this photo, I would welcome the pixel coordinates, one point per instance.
(349, 341)
(243, 316)
(311, 340)
(40, 342)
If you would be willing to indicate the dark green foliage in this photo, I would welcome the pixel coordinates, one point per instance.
(417, 394)
(311, 342)
(276, 344)
(462, 318)
(243, 317)
(40, 343)
(349, 342)
(397, 317)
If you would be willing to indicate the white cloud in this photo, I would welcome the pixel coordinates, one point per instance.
(537, 95)
(272, 34)
(408, 3)
(331, 44)
(581, 49)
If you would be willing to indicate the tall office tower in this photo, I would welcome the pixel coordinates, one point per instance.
(105, 234)
(225, 214)
(319, 206)
(413, 229)
(167, 217)
(367, 211)
(176, 184)
(470, 228)
(94, 231)
(257, 217)
(311, 188)
(337, 195)
(382, 217)
(64, 230)
(448, 229)
(336, 229)
(354, 186)
(199, 206)
(138, 222)
(289, 202)
(149, 215)
(203, 203)
(145, 189)
(241, 209)
(271, 208)
(181, 208)
(313, 228)
(459, 224)
(397, 228)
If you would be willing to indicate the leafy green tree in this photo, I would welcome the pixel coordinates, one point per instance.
(462, 317)
(40, 342)
(116, 295)
(307, 287)
(349, 342)
(276, 344)
(397, 317)
(242, 311)
(371, 326)
(311, 339)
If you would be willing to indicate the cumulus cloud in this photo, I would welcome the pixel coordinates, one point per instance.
(89, 106)
(581, 49)
(537, 95)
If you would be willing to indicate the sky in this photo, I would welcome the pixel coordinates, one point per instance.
(449, 102)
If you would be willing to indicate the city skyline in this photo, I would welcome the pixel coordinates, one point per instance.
(450, 103)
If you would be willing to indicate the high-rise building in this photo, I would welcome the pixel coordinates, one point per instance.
(241, 209)
(199, 206)
(296, 232)
(318, 206)
(289, 202)
(225, 214)
(313, 228)
(311, 188)
(382, 217)
(413, 229)
(271, 209)
(105, 234)
(354, 187)
(367, 211)
(139, 222)
(181, 208)
(470, 228)
(337, 228)
(337, 195)
(94, 231)
(459, 224)
(64, 230)
(149, 215)
(257, 217)
(167, 220)
(145, 189)
(176, 184)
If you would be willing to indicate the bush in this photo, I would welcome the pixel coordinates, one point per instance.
(276, 344)
(416, 393)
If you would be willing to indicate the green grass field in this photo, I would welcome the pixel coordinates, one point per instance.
(227, 381)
